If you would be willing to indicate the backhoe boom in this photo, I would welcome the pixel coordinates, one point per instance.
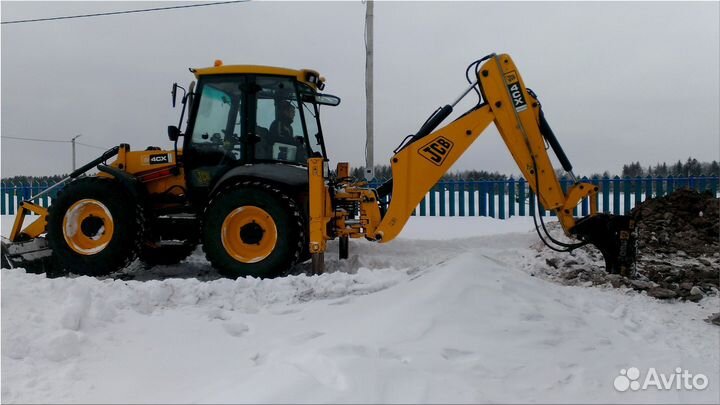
(419, 164)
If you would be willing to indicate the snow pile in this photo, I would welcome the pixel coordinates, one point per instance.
(413, 321)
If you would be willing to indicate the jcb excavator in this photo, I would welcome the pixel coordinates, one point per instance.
(252, 182)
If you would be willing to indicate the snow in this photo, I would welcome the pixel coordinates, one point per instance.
(447, 313)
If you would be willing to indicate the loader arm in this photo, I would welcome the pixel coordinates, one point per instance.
(419, 164)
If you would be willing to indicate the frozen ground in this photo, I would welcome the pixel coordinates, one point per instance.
(448, 313)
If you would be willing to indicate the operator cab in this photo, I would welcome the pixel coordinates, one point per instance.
(252, 115)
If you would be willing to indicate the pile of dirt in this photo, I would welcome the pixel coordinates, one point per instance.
(684, 222)
(678, 250)
(679, 243)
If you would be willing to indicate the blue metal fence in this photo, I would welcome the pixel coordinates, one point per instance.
(493, 198)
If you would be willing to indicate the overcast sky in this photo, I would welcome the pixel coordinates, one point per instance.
(619, 81)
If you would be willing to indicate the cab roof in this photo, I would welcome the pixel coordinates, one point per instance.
(307, 76)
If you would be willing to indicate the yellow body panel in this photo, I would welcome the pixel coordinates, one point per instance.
(36, 228)
(320, 208)
(155, 169)
(419, 166)
(152, 168)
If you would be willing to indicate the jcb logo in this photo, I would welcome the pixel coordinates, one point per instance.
(515, 90)
(437, 150)
(159, 159)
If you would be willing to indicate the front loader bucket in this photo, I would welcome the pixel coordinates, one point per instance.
(33, 255)
(614, 236)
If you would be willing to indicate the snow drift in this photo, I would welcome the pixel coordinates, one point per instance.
(427, 321)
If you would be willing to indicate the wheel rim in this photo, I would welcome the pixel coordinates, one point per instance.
(249, 234)
(88, 227)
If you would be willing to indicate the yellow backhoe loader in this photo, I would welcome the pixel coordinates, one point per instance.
(252, 183)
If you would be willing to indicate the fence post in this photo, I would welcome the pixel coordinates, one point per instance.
(491, 199)
(511, 197)
(443, 198)
(423, 209)
(461, 197)
(670, 184)
(616, 195)
(12, 190)
(714, 185)
(606, 194)
(451, 191)
(433, 209)
(701, 183)
(501, 199)
(638, 190)
(521, 197)
(648, 187)
(659, 189)
(25, 192)
(471, 198)
(482, 198)
(585, 204)
(627, 191)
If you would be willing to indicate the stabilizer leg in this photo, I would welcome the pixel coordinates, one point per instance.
(318, 263)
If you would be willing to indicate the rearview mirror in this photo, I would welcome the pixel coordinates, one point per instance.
(173, 133)
(174, 93)
(322, 99)
(327, 99)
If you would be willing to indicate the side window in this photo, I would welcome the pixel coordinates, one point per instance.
(212, 116)
(312, 128)
(278, 124)
(217, 127)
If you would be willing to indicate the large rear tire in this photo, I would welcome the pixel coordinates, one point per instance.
(94, 228)
(252, 229)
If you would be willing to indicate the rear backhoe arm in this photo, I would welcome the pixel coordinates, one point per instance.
(420, 163)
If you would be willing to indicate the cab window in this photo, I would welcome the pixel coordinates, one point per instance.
(279, 129)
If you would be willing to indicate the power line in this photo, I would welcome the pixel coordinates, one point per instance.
(91, 146)
(52, 140)
(122, 12)
(33, 139)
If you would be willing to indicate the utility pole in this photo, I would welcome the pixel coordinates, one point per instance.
(369, 159)
(73, 149)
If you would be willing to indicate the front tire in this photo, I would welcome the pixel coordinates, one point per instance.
(252, 229)
(93, 227)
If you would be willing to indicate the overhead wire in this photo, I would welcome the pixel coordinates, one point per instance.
(33, 139)
(122, 12)
(51, 140)
(91, 146)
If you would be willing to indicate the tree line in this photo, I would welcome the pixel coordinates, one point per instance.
(691, 167)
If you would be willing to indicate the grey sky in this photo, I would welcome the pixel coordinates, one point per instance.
(619, 81)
